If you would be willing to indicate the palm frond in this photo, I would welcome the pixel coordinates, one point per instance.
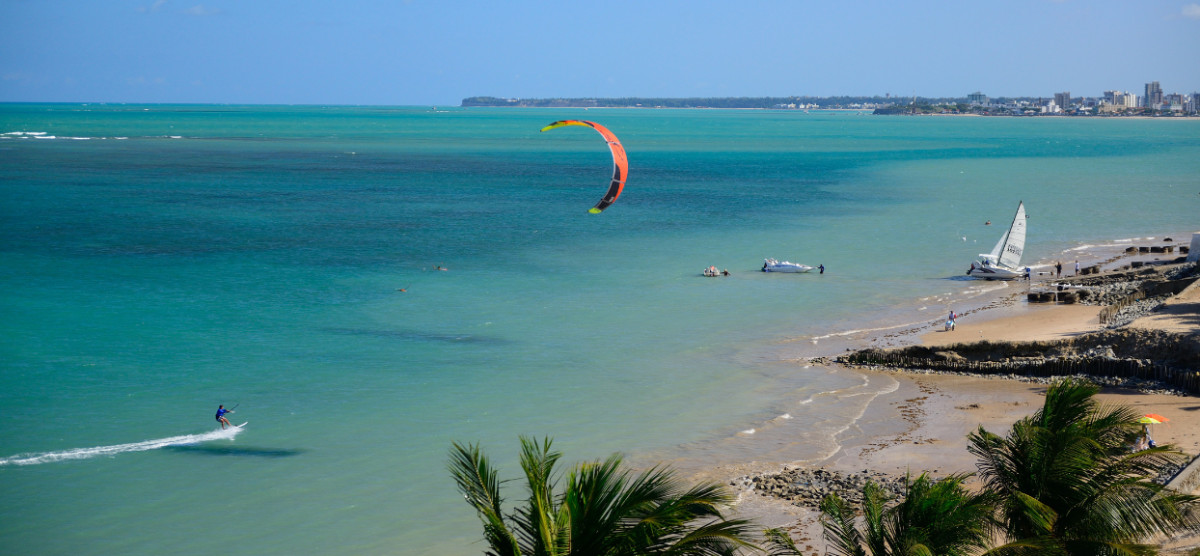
(837, 519)
(539, 519)
(479, 484)
(1067, 481)
(780, 543)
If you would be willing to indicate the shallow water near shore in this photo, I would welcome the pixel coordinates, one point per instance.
(161, 260)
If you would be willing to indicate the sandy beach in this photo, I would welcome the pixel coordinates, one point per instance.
(940, 410)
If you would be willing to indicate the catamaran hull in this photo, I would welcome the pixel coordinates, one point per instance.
(993, 273)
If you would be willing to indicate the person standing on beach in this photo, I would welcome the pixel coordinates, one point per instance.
(1077, 267)
(1058, 269)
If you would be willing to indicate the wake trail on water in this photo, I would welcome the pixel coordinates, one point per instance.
(86, 453)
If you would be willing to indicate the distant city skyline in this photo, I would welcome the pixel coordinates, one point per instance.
(421, 52)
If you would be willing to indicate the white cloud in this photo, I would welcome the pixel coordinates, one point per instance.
(201, 10)
(1191, 11)
(156, 6)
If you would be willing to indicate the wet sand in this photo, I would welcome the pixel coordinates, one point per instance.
(936, 412)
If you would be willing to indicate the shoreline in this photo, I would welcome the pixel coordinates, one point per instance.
(922, 425)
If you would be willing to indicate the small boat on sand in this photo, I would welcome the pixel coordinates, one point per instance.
(772, 265)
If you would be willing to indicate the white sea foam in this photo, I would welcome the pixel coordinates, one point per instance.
(781, 418)
(852, 420)
(85, 453)
(44, 135)
(865, 330)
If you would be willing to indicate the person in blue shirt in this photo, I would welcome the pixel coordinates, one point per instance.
(221, 411)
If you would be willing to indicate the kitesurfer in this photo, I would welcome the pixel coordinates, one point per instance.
(221, 411)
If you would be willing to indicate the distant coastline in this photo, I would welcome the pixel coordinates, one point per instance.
(881, 105)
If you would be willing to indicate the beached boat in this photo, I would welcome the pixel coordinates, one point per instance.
(772, 265)
(1004, 262)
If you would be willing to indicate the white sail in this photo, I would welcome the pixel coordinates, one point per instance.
(1004, 262)
(1008, 252)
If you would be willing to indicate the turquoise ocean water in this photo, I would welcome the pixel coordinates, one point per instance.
(160, 260)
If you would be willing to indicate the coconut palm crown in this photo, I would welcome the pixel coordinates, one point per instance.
(931, 518)
(1070, 484)
(602, 509)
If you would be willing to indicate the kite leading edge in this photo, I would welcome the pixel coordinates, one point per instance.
(620, 162)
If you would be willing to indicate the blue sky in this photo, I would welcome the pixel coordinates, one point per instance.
(423, 52)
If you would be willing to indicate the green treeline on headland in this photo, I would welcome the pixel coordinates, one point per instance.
(915, 105)
(693, 102)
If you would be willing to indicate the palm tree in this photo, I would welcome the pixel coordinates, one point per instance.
(1069, 483)
(602, 510)
(932, 517)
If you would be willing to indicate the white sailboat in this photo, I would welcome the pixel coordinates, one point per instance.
(1004, 262)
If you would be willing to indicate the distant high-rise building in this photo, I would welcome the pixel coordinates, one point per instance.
(1154, 95)
(1063, 100)
(977, 98)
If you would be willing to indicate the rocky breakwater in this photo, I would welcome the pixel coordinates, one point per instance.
(1151, 361)
(808, 487)
(1126, 294)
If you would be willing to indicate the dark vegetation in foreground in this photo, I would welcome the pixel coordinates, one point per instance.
(1062, 481)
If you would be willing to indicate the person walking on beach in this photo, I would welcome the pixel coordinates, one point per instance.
(221, 411)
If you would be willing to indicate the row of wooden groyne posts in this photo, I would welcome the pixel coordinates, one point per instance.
(1156, 249)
